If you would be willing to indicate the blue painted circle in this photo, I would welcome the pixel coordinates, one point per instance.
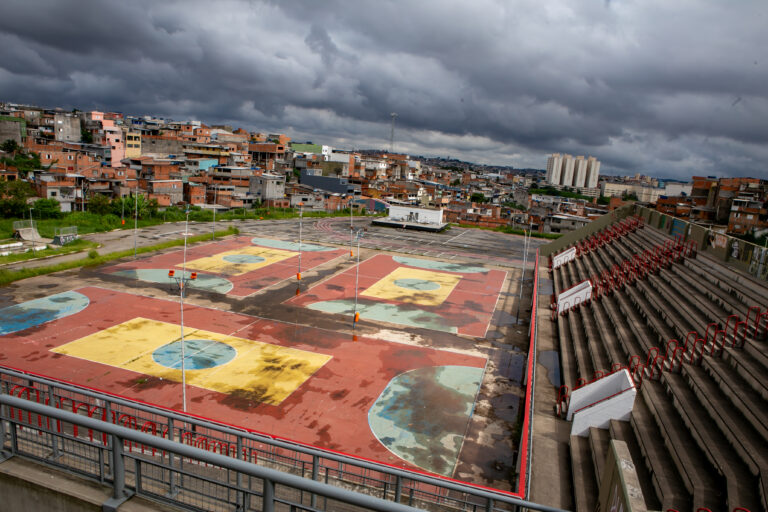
(198, 354)
(243, 258)
(417, 284)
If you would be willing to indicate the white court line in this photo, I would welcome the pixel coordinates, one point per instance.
(455, 237)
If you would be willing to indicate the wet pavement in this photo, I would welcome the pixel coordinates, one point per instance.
(489, 439)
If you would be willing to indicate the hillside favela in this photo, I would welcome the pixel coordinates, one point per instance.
(388, 257)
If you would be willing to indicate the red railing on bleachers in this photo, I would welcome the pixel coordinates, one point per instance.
(677, 354)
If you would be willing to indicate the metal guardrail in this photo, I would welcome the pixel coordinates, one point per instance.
(72, 427)
(526, 448)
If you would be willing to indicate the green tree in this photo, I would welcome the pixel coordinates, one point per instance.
(99, 204)
(477, 197)
(10, 146)
(47, 208)
(13, 197)
(86, 136)
(24, 162)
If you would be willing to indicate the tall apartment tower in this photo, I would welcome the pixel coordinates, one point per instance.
(566, 175)
(593, 171)
(554, 166)
(567, 171)
(579, 172)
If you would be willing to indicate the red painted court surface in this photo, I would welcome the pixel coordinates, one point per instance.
(300, 383)
(240, 266)
(449, 297)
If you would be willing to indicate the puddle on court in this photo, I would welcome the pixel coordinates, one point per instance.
(510, 364)
(550, 359)
(502, 319)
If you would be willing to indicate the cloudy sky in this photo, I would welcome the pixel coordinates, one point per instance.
(667, 88)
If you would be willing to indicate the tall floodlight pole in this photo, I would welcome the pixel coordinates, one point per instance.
(351, 230)
(301, 216)
(526, 241)
(215, 197)
(136, 217)
(356, 316)
(392, 133)
(182, 284)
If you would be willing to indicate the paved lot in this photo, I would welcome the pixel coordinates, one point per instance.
(353, 395)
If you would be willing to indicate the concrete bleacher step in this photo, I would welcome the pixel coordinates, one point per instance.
(708, 311)
(622, 431)
(697, 473)
(748, 443)
(758, 352)
(601, 339)
(740, 485)
(667, 483)
(725, 301)
(749, 368)
(595, 348)
(583, 360)
(599, 439)
(748, 402)
(567, 357)
(585, 486)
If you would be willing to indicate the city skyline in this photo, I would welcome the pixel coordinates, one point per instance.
(665, 90)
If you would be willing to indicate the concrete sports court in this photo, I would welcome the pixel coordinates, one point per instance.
(414, 385)
(239, 267)
(451, 297)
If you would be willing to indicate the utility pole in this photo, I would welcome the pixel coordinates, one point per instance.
(136, 218)
(392, 133)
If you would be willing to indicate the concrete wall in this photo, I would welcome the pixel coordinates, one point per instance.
(25, 485)
(742, 255)
(595, 404)
(66, 128)
(594, 226)
(162, 146)
(416, 214)
(12, 128)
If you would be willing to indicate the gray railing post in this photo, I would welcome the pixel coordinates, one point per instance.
(118, 468)
(398, 488)
(268, 497)
(315, 464)
(117, 463)
(239, 476)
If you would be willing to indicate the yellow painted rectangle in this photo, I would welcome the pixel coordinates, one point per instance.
(388, 288)
(262, 372)
(219, 265)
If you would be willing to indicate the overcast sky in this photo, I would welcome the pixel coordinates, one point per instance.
(667, 88)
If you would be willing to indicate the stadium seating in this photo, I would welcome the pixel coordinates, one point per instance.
(691, 331)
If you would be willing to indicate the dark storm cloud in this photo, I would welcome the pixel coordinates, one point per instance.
(668, 88)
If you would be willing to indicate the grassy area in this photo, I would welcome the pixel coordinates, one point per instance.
(76, 246)
(94, 258)
(88, 222)
(512, 231)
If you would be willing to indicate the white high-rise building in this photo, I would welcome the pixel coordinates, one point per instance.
(566, 175)
(579, 172)
(554, 166)
(567, 171)
(593, 171)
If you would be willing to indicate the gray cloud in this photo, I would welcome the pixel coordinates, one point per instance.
(666, 88)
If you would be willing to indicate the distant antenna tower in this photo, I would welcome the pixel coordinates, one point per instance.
(392, 133)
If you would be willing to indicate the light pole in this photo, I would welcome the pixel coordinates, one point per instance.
(182, 283)
(356, 317)
(526, 240)
(136, 217)
(351, 229)
(215, 198)
(301, 215)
